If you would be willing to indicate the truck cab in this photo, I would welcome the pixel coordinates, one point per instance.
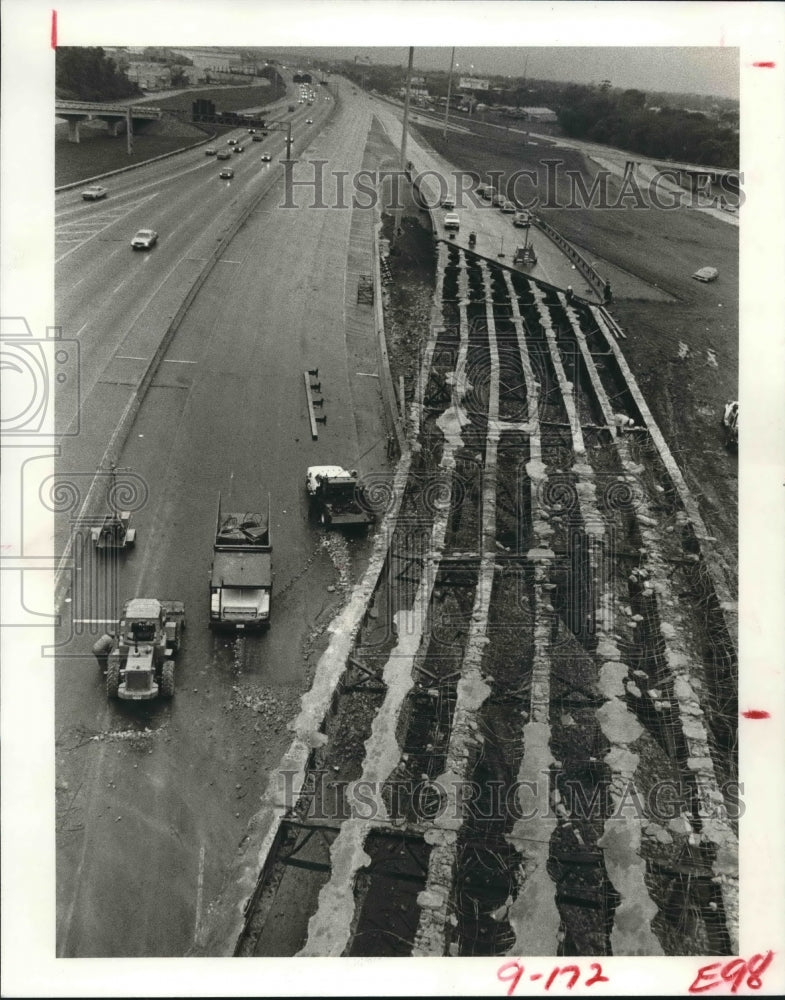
(335, 496)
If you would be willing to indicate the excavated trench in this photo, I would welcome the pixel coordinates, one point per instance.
(599, 591)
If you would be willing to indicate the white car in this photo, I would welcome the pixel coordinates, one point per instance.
(94, 193)
(144, 239)
(706, 274)
(522, 219)
(507, 206)
(452, 221)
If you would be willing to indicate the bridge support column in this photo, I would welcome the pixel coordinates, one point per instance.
(73, 129)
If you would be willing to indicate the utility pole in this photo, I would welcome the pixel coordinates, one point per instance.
(449, 94)
(129, 138)
(406, 108)
(399, 211)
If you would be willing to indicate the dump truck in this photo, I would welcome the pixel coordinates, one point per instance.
(241, 577)
(139, 656)
(335, 497)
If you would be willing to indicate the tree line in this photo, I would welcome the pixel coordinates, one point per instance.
(88, 74)
(622, 119)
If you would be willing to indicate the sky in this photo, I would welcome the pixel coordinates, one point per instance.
(682, 70)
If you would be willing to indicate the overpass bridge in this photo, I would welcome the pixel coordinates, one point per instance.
(114, 115)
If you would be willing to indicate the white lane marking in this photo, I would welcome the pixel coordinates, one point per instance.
(178, 361)
(128, 357)
(82, 327)
(199, 892)
(93, 621)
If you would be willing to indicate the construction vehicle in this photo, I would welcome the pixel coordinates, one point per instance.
(335, 497)
(139, 655)
(115, 532)
(524, 255)
(241, 577)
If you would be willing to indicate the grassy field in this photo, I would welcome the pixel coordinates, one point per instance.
(99, 153)
(224, 98)
(686, 389)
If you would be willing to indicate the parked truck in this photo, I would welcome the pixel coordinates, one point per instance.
(138, 656)
(336, 497)
(241, 576)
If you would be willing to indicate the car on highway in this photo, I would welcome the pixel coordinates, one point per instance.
(94, 193)
(224, 154)
(448, 202)
(210, 151)
(452, 221)
(522, 219)
(266, 157)
(144, 239)
(487, 192)
(231, 142)
(258, 138)
(507, 206)
(498, 200)
(706, 274)
(226, 174)
(251, 131)
(309, 121)
(238, 149)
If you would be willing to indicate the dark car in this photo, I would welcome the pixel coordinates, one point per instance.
(224, 155)
(226, 174)
(231, 142)
(266, 157)
(210, 151)
(238, 149)
(258, 138)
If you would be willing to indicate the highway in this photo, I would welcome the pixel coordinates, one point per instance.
(163, 808)
(153, 799)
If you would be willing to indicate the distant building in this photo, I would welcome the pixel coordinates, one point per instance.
(539, 114)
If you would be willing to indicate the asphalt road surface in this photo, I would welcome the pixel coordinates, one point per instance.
(153, 798)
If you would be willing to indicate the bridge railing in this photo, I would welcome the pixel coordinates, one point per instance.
(96, 107)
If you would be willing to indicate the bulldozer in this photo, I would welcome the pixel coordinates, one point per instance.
(139, 656)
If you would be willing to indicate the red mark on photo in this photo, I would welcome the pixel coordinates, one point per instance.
(756, 713)
(764, 65)
(54, 29)
(736, 973)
